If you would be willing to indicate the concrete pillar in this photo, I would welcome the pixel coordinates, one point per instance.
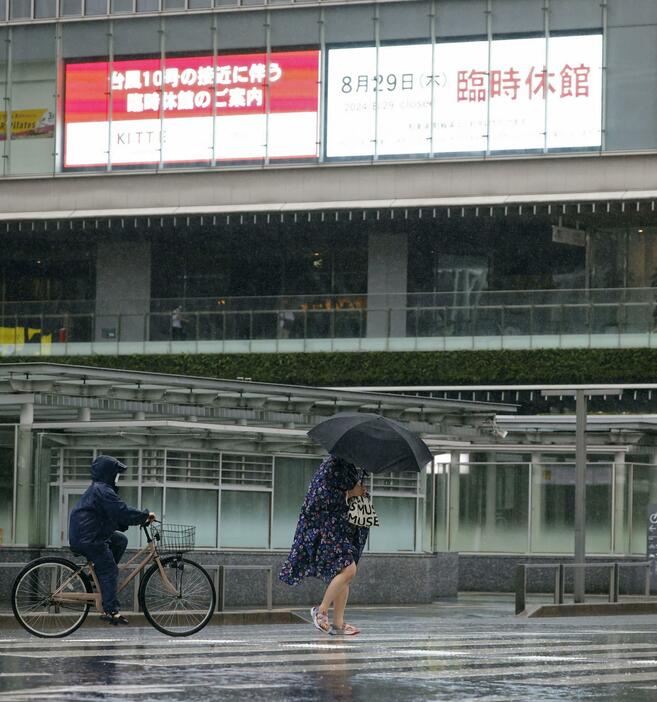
(25, 486)
(387, 269)
(123, 289)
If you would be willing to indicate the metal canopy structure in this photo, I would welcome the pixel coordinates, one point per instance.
(73, 405)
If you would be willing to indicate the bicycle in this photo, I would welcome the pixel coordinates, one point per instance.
(52, 596)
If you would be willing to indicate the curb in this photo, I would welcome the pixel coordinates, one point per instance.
(600, 609)
(264, 616)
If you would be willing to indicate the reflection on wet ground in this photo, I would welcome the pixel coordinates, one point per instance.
(473, 649)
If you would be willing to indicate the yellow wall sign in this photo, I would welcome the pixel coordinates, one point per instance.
(23, 335)
(37, 122)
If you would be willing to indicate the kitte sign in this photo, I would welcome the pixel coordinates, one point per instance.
(192, 109)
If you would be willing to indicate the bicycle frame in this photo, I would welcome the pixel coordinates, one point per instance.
(151, 555)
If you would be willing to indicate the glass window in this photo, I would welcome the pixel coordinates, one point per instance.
(121, 6)
(318, 268)
(397, 524)
(599, 491)
(291, 479)
(461, 19)
(346, 24)
(568, 15)
(129, 494)
(427, 531)
(493, 499)
(151, 499)
(244, 519)
(54, 527)
(435, 528)
(6, 485)
(32, 144)
(644, 493)
(553, 510)
(20, 9)
(195, 508)
(45, 8)
(512, 16)
(71, 8)
(96, 7)
(631, 77)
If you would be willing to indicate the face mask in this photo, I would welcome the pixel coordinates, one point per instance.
(116, 480)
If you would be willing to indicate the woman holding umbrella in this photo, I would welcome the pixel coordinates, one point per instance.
(325, 544)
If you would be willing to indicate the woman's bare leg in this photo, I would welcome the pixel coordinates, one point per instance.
(336, 587)
(339, 605)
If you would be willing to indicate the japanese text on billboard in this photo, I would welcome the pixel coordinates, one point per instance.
(192, 109)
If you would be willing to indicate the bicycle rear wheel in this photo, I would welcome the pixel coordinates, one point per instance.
(182, 606)
(36, 604)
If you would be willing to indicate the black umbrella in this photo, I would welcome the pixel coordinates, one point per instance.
(372, 442)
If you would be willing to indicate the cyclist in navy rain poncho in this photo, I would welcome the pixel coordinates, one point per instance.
(93, 529)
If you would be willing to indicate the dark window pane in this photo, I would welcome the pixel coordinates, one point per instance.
(20, 9)
(70, 8)
(148, 5)
(45, 8)
(119, 6)
(96, 7)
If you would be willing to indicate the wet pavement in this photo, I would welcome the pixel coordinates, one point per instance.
(473, 649)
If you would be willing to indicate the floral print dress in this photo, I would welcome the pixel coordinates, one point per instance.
(325, 543)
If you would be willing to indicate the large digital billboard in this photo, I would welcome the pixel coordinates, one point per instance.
(536, 94)
(192, 109)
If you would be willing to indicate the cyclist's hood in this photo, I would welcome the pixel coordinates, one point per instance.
(104, 469)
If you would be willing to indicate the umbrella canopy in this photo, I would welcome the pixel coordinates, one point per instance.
(372, 442)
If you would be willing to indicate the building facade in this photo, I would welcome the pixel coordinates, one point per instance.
(326, 176)
(186, 177)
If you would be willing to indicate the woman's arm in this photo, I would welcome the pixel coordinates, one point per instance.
(358, 490)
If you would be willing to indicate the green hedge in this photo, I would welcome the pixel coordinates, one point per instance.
(396, 368)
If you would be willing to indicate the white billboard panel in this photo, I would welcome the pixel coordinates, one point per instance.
(400, 102)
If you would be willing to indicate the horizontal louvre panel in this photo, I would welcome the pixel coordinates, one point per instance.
(247, 470)
(193, 467)
(152, 466)
(77, 465)
(55, 458)
(395, 482)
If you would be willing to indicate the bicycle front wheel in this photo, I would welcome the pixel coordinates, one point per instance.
(183, 602)
(39, 597)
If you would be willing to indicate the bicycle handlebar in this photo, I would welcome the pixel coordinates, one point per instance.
(146, 527)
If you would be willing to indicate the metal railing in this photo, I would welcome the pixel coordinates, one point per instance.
(499, 314)
(560, 578)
